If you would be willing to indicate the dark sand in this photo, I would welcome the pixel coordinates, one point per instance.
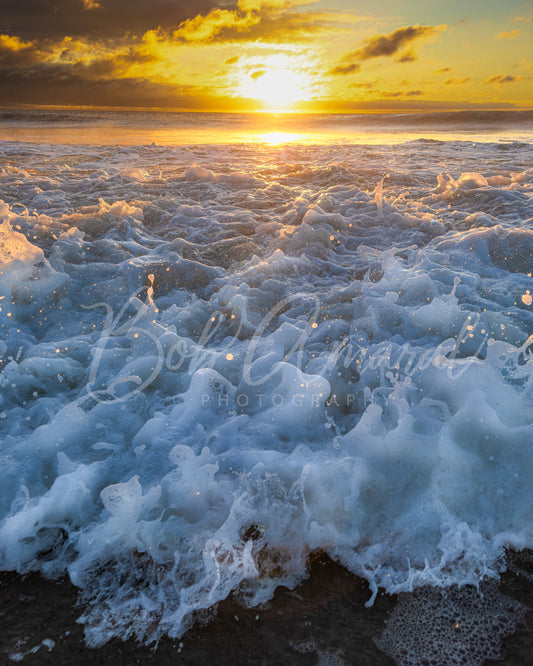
(324, 621)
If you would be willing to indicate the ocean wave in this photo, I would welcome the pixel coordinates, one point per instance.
(217, 362)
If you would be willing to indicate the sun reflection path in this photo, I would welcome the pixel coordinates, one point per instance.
(277, 138)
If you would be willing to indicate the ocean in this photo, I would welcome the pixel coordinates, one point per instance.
(233, 343)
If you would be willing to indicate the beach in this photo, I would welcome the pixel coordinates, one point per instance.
(323, 621)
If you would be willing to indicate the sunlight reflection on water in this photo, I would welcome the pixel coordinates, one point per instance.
(145, 128)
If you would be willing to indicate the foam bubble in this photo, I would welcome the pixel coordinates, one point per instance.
(452, 626)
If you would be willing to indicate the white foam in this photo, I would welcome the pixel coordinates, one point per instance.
(212, 367)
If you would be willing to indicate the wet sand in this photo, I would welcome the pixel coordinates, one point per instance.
(324, 621)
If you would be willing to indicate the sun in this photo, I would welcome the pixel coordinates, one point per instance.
(278, 88)
(275, 84)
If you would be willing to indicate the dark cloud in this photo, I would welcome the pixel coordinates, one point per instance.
(202, 21)
(360, 84)
(409, 93)
(454, 82)
(346, 69)
(232, 60)
(500, 79)
(407, 56)
(114, 66)
(388, 45)
(30, 73)
(62, 86)
(23, 59)
(107, 18)
(15, 53)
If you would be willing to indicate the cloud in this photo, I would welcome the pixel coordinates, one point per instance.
(407, 56)
(409, 93)
(218, 25)
(258, 74)
(91, 4)
(387, 45)
(443, 70)
(62, 86)
(350, 68)
(513, 34)
(31, 72)
(121, 47)
(271, 21)
(45, 19)
(453, 81)
(82, 72)
(524, 19)
(16, 53)
(39, 66)
(500, 79)
(258, 5)
(361, 84)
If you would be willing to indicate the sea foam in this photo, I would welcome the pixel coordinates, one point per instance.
(217, 363)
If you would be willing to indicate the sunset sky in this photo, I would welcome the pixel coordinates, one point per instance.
(327, 55)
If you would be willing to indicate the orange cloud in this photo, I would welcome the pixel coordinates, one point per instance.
(407, 56)
(15, 52)
(46, 19)
(205, 29)
(259, 5)
(500, 79)
(409, 93)
(254, 20)
(513, 34)
(452, 81)
(350, 68)
(91, 4)
(68, 56)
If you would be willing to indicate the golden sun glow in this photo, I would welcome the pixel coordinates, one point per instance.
(277, 138)
(276, 84)
(278, 88)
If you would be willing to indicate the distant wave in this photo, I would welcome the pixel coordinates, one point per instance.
(441, 120)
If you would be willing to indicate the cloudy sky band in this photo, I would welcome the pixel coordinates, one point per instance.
(220, 55)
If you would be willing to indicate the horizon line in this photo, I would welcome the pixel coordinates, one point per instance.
(259, 111)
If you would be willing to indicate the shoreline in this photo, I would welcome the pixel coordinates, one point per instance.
(322, 621)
